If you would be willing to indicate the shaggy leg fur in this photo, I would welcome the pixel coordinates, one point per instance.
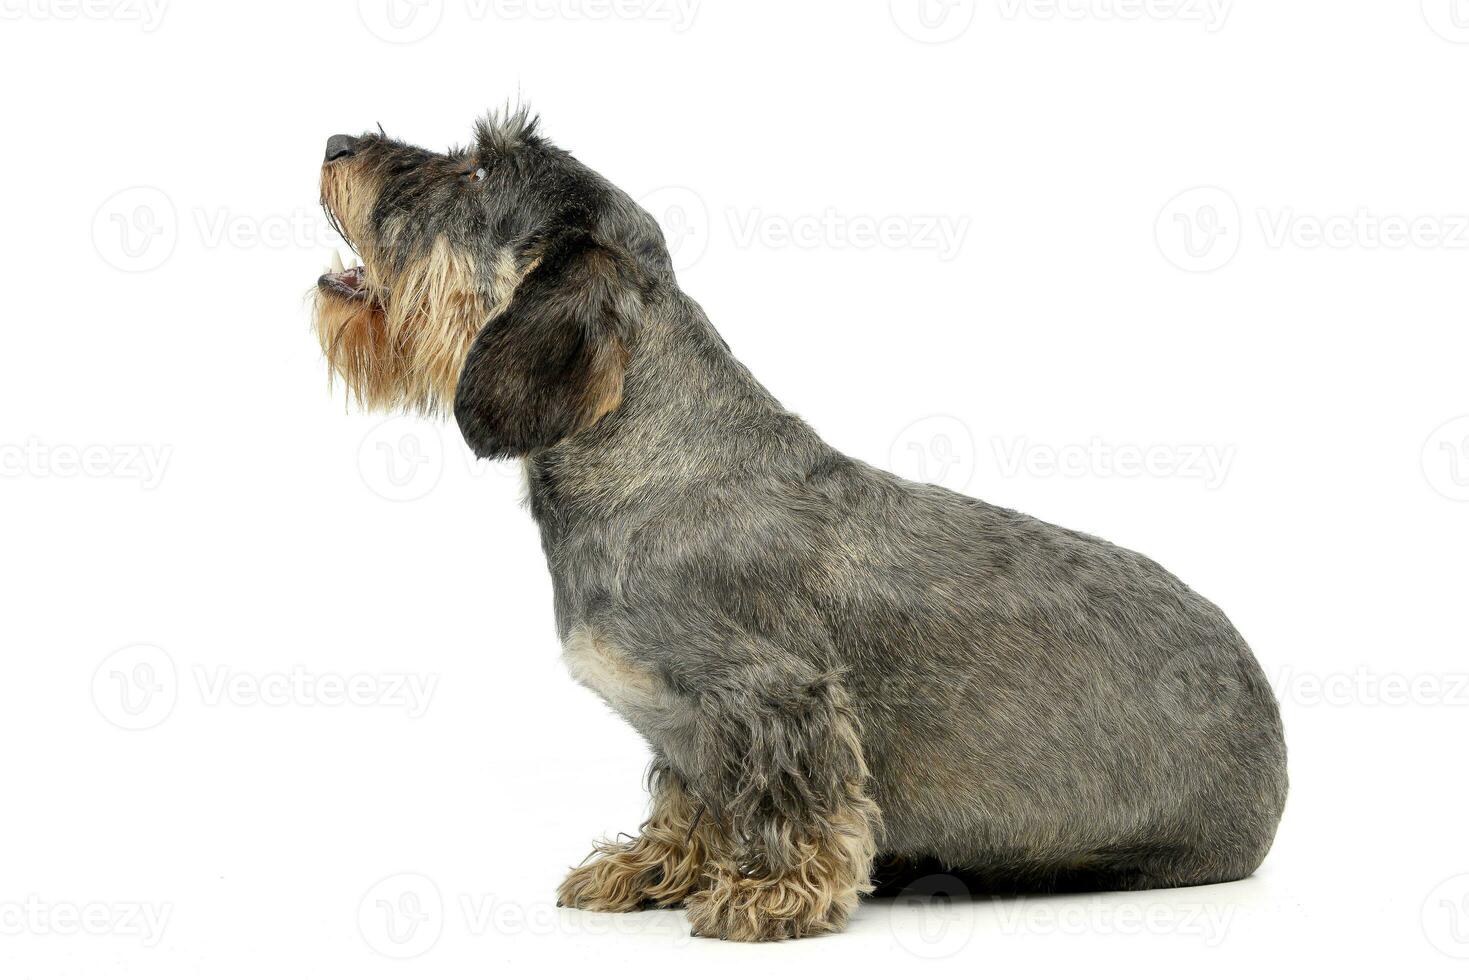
(812, 890)
(797, 834)
(657, 868)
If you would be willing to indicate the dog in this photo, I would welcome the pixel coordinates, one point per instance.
(836, 670)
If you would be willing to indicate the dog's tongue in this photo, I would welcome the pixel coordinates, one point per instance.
(351, 281)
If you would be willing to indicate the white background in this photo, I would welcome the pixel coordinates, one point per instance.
(203, 548)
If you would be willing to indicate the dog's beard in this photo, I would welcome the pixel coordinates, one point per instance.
(398, 341)
(359, 349)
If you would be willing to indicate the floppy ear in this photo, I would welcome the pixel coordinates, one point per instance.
(551, 363)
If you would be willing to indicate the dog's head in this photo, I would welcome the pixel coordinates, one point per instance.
(504, 280)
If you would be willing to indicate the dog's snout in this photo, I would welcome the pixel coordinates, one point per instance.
(340, 145)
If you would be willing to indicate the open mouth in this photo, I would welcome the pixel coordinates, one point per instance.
(337, 280)
(351, 283)
(347, 283)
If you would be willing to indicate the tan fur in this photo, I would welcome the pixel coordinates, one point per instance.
(435, 310)
(421, 329)
(798, 880)
(628, 689)
(348, 194)
(658, 868)
(354, 336)
(814, 892)
(604, 386)
(506, 275)
(423, 318)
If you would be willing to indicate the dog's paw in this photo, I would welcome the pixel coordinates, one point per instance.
(602, 884)
(752, 910)
(628, 875)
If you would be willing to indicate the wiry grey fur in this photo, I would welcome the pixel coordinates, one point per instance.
(1033, 702)
(1034, 705)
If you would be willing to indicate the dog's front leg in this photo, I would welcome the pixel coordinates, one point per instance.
(780, 768)
(657, 868)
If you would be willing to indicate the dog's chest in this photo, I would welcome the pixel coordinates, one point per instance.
(630, 688)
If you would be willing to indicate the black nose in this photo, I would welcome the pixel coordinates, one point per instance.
(340, 145)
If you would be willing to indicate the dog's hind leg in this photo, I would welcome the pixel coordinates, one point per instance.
(782, 772)
(657, 868)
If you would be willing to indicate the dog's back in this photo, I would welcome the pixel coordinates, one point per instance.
(1064, 704)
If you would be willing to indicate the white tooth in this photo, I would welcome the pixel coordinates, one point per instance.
(337, 262)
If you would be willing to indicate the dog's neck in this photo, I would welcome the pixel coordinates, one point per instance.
(691, 416)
